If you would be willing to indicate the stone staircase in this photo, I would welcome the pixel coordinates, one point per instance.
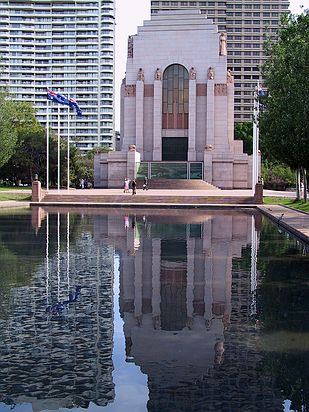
(177, 184)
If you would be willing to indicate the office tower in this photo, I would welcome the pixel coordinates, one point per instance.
(247, 23)
(67, 46)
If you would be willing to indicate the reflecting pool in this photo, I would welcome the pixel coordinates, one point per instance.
(152, 310)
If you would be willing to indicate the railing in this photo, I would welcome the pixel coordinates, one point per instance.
(170, 170)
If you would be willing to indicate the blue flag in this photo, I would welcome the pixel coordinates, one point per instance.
(262, 92)
(74, 105)
(61, 99)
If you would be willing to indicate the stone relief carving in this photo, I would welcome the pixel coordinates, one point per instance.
(129, 90)
(140, 74)
(220, 90)
(222, 45)
(130, 46)
(211, 73)
(229, 76)
(192, 73)
(158, 74)
(209, 147)
(132, 148)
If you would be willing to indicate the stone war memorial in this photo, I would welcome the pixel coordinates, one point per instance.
(177, 107)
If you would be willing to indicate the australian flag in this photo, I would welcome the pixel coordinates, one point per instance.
(262, 91)
(61, 99)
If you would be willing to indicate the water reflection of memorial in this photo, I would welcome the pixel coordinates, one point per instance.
(187, 297)
(64, 359)
(180, 303)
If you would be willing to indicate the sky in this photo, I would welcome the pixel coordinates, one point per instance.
(129, 15)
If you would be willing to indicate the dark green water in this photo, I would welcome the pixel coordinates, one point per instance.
(163, 310)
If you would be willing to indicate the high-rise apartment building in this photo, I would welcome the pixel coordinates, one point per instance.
(67, 46)
(247, 23)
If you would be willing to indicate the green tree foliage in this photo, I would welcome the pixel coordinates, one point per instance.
(244, 131)
(277, 176)
(30, 159)
(285, 120)
(15, 119)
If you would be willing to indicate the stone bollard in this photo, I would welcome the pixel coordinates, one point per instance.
(258, 194)
(36, 191)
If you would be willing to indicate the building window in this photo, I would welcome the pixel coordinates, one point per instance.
(175, 97)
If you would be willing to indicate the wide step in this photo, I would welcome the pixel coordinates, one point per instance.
(143, 198)
(177, 184)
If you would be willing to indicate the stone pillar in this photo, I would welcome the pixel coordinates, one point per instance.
(258, 194)
(37, 192)
(192, 120)
(208, 163)
(230, 111)
(133, 161)
(128, 113)
(210, 113)
(139, 116)
(157, 120)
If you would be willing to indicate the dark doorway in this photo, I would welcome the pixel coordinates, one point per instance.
(174, 148)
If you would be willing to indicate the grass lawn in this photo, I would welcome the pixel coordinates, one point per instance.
(14, 188)
(294, 204)
(15, 196)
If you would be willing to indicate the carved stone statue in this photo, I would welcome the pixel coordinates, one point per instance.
(140, 74)
(130, 46)
(222, 48)
(158, 74)
(132, 148)
(209, 147)
(211, 73)
(229, 76)
(192, 73)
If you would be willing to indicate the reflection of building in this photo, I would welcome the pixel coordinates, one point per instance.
(176, 297)
(187, 302)
(61, 361)
(178, 308)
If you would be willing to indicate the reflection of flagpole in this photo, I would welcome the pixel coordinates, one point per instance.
(68, 251)
(58, 257)
(68, 151)
(58, 147)
(253, 279)
(47, 146)
(47, 259)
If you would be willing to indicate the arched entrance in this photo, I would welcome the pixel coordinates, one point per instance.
(175, 113)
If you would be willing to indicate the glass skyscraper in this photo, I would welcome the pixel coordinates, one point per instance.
(67, 46)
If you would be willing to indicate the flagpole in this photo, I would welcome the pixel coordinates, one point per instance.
(255, 138)
(58, 147)
(68, 151)
(47, 146)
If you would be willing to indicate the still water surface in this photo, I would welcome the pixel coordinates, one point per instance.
(132, 310)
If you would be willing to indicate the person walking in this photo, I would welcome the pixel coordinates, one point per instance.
(126, 185)
(145, 184)
(133, 184)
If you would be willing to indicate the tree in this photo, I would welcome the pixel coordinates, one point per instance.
(15, 119)
(284, 121)
(244, 131)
